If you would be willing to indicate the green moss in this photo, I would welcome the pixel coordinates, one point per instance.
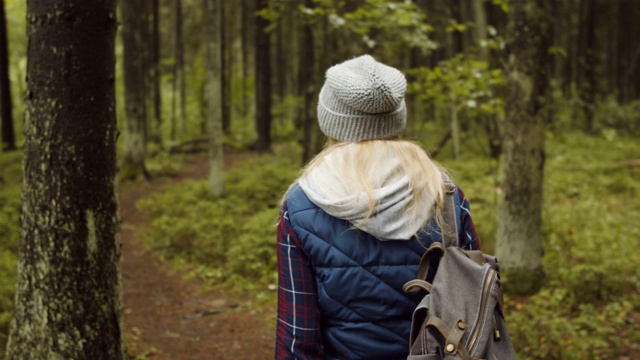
(92, 241)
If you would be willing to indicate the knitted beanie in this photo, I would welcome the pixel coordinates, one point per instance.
(362, 99)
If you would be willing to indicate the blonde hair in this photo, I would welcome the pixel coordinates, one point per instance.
(358, 166)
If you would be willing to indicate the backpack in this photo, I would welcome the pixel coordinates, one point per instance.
(461, 315)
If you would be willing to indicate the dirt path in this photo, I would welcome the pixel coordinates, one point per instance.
(167, 317)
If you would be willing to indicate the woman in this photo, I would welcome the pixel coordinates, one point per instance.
(353, 227)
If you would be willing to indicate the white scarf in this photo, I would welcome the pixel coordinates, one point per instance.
(393, 195)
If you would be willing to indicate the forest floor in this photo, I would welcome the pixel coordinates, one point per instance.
(170, 317)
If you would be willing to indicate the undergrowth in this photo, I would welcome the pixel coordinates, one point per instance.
(590, 218)
(590, 236)
(227, 240)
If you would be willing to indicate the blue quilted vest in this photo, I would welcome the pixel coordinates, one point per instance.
(365, 313)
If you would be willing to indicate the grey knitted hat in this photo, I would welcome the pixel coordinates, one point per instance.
(362, 99)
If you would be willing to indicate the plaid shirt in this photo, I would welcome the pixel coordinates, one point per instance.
(298, 331)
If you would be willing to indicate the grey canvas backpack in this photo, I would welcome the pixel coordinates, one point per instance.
(461, 315)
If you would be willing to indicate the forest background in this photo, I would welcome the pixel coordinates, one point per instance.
(273, 57)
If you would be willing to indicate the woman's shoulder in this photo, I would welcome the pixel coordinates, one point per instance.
(296, 200)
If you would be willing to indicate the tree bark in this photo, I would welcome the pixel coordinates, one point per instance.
(225, 70)
(629, 51)
(178, 72)
(491, 125)
(263, 82)
(215, 89)
(480, 29)
(455, 128)
(587, 62)
(519, 242)
(155, 73)
(134, 79)
(68, 300)
(145, 44)
(248, 55)
(8, 133)
(458, 37)
(307, 85)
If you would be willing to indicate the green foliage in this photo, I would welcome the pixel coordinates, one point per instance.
(611, 117)
(503, 4)
(462, 83)
(379, 23)
(16, 17)
(285, 113)
(544, 327)
(163, 164)
(589, 225)
(10, 185)
(590, 218)
(231, 239)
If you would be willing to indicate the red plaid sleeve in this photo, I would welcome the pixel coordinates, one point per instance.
(467, 236)
(298, 333)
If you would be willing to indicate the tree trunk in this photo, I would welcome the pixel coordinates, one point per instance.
(68, 298)
(263, 82)
(307, 86)
(134, 78)
(458, 37)
(612, 48)
(573, 22)
(280, 58)
(155, 73)
(225, 70)
(587, 61)
(178, 71)
(519, 242)
(491, 124)
(145, 44)
(629, 49)
(455, 128)
(480, 29)
(248, 55)
(8, 134)
(215, 89)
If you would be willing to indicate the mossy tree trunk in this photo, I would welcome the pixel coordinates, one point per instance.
(215, 89)
(8, 132)
(68, 300)
(519, 242)
(134, 18)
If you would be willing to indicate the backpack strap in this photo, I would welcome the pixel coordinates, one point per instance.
(449, 229)
(431, 257)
